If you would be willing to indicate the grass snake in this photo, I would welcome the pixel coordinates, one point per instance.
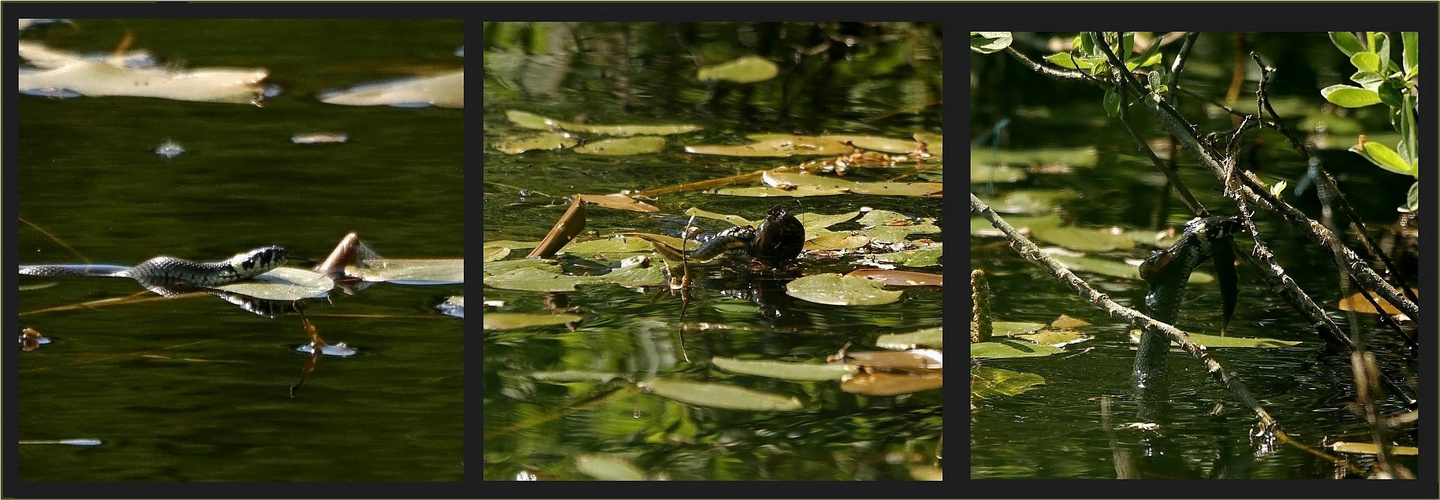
(1168, 271)
(168, 275)
(779, 239)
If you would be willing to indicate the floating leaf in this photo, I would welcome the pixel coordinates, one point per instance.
(912, 359)
(512, 321)
(814, 223)
(720, 396)
(620, 202)
(534, 121)
(608, 468)
(541, 141)
(623, 147)
(784, 370)
(411, 271)
(511, 244)
(925, 256)
(1082, 239)
(893, 277)
(1055, 337)
(834, 289)
(835, 242)
(779, 147)
(929, 337)
(981, 173)
(1002, 349)
(1216, 341)
(988, 382)
(876, 143)
(935, 143)
(495, 253)
(1357, 303)
(794, 184)
(535, 279)
(575, 376)
(891, 384)
(616, 244)
(748, 69)
(285, 283)
(733, 219)
(505, 266)
(1072, 157)
(96, 79)
(445, 90)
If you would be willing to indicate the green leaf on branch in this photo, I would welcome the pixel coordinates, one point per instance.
(1411, 55)
(1385, 158)
(1412, 199)
(1346, 96)
(1366, 61)
(1112, 103)
(1367, 80)
(1346, 42)
(1380, 45)
(989, 42)
(1390, 95)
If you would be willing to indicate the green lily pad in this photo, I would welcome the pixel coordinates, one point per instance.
(548, 279)
(720, 396)
(1032, 201)
(925, 255)
(836, 242)
(411, 271)
(1055, 337)
(537, 122)
(1013, 328)
(617, 244)
(981, 173)
(1083, 239)
(608, 468)
(784, 370)
(512, 321)
(1003, 349)
(511, 244)
(1216, 341)
(835, 289)
(748, 69)
(285, 283)
(505, 266)
(929, 337)
(624, 146)
(792, 184)
(814, 223)
(776, 147)
(575, 376)
(988, 382)
(542, 141)
(492, 254)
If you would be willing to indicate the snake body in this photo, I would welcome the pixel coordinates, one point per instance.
(1168, 271)
(779, 239)
(165, 271)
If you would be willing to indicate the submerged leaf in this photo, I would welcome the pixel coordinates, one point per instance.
(720, 396)
(988, 382)
(748, 69)
(1010, 349)
(512, 321)
(541, 141)
(623, 146)
(608, 468)
(784, 370)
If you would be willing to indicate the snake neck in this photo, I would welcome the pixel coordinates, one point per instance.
(1167, 272)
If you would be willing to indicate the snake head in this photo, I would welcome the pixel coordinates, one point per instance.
(258, 261)
(779, 238)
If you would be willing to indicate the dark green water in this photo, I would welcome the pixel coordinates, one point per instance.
(1055, 430)
(195, 388)
(887, 84)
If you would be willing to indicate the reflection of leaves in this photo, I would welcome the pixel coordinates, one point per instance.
(891, 384)
(720, 396)
(748, 69)
(411, 271)
(534, 279)
(987, 382)
(534, 121)
(929, 337)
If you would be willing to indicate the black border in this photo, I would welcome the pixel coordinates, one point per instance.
(1420, 16)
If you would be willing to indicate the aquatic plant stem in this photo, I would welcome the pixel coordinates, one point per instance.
(1135, 318)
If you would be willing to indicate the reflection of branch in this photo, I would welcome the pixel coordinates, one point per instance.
(1030, 251)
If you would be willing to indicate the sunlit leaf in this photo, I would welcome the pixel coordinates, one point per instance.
(893, 277)
(929, 337)
(1001, 349)
(619, 202)
(733, 219)
(911, 359)
(1347, 96)
(495, 253)
(512, 321)
(1387, 158)
(983, 173)
(792, 184)
(784, 370)
(541, 141)
(617, 244)
(836, 242)
(890, 383)
(445, 90)
(1014, 328)
(411, 271)
(988, 382)
(608, 468)
(988, 42)
(748, 69)
(1116, 269)
(720, 396)
(285, 283)
(623, 146)
(1216, 341)
(834, 289)
(1055, 337)
(1369, 448)
(780, 147)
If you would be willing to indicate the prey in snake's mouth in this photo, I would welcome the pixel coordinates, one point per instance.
(1167, 272)
(775, 243)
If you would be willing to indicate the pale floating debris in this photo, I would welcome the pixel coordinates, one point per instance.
(445, 90)
(319, 138)
(67, 442)
(542, 141)
(169, 149)
(31, 23)
(453, 306)
(338, 350)
(71, 75)
(460, 52)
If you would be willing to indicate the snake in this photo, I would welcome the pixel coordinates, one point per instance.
(1167, 272)
(777, 240)
(166, 275)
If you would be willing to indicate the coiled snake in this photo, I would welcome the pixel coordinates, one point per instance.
(1167, 272)
(171, 275)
